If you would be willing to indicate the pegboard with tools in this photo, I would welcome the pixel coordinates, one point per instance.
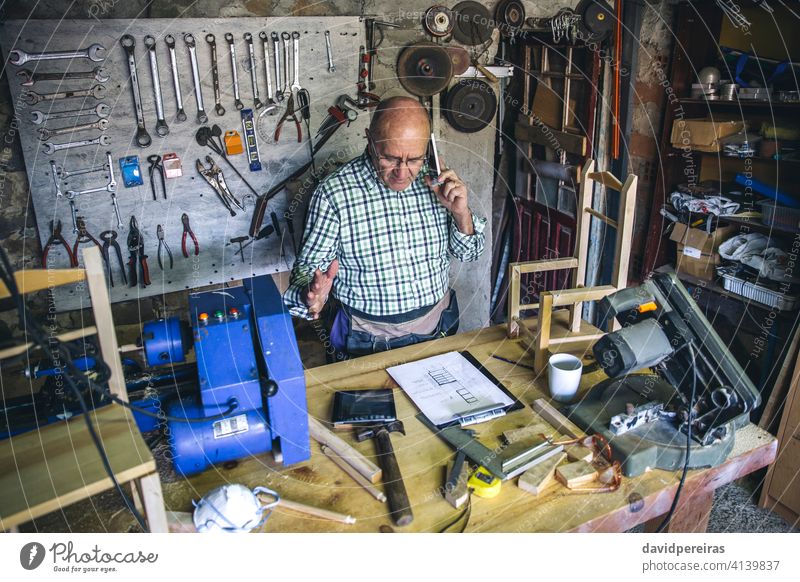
(139, 174)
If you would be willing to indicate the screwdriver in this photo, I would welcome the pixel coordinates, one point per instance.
(263, 233)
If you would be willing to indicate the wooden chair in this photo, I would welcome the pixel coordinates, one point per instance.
(41, 471)
(575, 296)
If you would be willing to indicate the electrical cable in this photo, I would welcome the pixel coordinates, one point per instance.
(465, 514)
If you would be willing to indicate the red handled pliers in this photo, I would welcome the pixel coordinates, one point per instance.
(55, 237)
(188, 230)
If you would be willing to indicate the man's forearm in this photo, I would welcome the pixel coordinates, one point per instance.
(464, 223)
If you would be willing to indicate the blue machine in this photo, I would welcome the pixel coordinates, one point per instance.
(247, 356)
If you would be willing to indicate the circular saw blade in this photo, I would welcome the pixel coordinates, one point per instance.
(424, 69)
(438, 21)
(473, 23)
(460, 59)
(510, 17)
(470, 105)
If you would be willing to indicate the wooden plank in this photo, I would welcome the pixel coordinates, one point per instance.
(576, 474)
(543, 340)
(691, 516)
(582, 225)
(544, 265)
(44, 470)
(354, 474)
(780, 389)
(542, 134)
(607, 179)
(458, 495)
(561, 423)
(153, 499)
(574, 339)
(564, 297)
(513, 299)
(32, 280)
(540, 477)
(67, 336)
(579, 453)
(359, 462)
(529, 432)
(600, 216)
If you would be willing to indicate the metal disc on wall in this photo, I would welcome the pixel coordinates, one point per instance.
(473, 23)
(597, 20)
(438, 21)
(510, 16)
(424, 69)
(470, 105)
(460, 59)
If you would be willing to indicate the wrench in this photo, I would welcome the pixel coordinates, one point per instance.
(272, 107)
(66, 174)
(188, 38)
(248, 38)
(236, 101)
(51, 148)
(296, 49)
(32, 97)
(218, 108)
(331, 66)
(142, 137)
(45, 134)
(56, 179)
(116, 210)
(99, 74)
(111, 186)
(276, 49)
(95, 52)
(74, 212)
(173, 60)
(162, 128)
(285, 36)
(102, 111)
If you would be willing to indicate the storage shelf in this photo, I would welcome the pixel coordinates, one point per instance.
(741, 104)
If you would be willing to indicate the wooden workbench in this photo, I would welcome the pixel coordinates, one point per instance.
(423, 459)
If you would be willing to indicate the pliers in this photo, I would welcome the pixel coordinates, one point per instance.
(83, 237)
(163, 244)
(137, 256)
(109, 238)
(289, 114)
(157, 166)
(188, 230)
(55, 237)
(216, 179)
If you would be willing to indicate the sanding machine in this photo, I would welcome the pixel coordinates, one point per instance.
(698, 389)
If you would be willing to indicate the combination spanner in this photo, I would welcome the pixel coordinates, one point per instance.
(95, 52)
(45, 133)
(331, 66)
(56, 179)
(286, 37)
(111, 186)
(102, 111)
(276, 50)
(32, 97)
(162, 128)
(232, 48)
(248, 38)
(212, 42)
(66, 174)
(176, 83)
(271, 105)
(51, 148)
(188, 38)
(99, 74)
(142, 137)
(296, 61)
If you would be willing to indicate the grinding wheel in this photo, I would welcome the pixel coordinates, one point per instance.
(510, 16)
(473, 23)
(460, 59)
(470, 105)
(597, 20)
(438, 21)
(424, 69)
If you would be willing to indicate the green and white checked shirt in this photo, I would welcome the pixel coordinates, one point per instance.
(392, 246)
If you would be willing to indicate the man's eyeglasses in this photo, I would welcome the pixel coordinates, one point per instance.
(392, 162)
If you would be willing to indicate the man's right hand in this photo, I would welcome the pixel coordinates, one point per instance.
(320, 288)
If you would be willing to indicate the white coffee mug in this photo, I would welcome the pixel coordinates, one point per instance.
(564, 376)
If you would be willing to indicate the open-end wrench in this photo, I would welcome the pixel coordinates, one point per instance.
(51, 148)
(331, 66)
(286, 37)
(232, 47)
(32, 97)
(95, 52)
(296, 61)
(116, 210)
(111, 186)
(45, 134)
(74, 212)
(271, 105)
(248, 38)
(142, 137)
(212, 42)
(99, 74)
(188, 38)
(56, 179)
(276, 49)
(66, 174)
(162, 128)
(176, 83)
(102, 111)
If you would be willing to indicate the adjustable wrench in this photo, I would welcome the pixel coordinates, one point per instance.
(32, 97)
(51, 148)
(276, 49)
(162, 128)
(218, 108)
(331, 66)
(285, 37)
(271, 105)
(45, 134)
(99, 74)
(173, 61)
(236, 100)
(102, 111)
(296, 62)
(142, 137)
(248, 38)
(188, 38)
(95, 52)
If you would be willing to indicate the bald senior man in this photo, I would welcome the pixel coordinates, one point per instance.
(377, 238)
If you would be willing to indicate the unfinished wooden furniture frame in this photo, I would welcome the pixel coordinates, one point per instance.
(574, 297)
(44, 470)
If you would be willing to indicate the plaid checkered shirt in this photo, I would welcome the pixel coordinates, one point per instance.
(392, 246)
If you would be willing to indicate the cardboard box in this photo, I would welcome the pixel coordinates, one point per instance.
(703, 134)
(697, 250)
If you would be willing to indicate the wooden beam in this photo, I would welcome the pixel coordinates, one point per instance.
(542, 134)
(545, 320)
(574, 339)
(564, 297)
(360, 463)
(153, 500)
(576, 474)
(607, 179)
(514, 291)
(560, 422)
(582, 225)
(600, 216)
(541, 476)
(31, 280)
(543, 265)
(67, 336)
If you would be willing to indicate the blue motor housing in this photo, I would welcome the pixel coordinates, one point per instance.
(163, 342)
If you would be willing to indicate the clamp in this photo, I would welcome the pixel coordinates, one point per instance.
(109, 238)
(216, 179)
(289, 114)
(188, 230)
(157, 166)
(137, 256)
(55, 237)
(83, 237)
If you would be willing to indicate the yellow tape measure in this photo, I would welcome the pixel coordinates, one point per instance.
(484, 484)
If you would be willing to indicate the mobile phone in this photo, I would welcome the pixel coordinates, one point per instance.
(438, 167)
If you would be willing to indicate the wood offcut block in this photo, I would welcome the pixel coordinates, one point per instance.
(540, 477)
(529, 433)
(579, 453)
(458, 495)
(576, 474)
